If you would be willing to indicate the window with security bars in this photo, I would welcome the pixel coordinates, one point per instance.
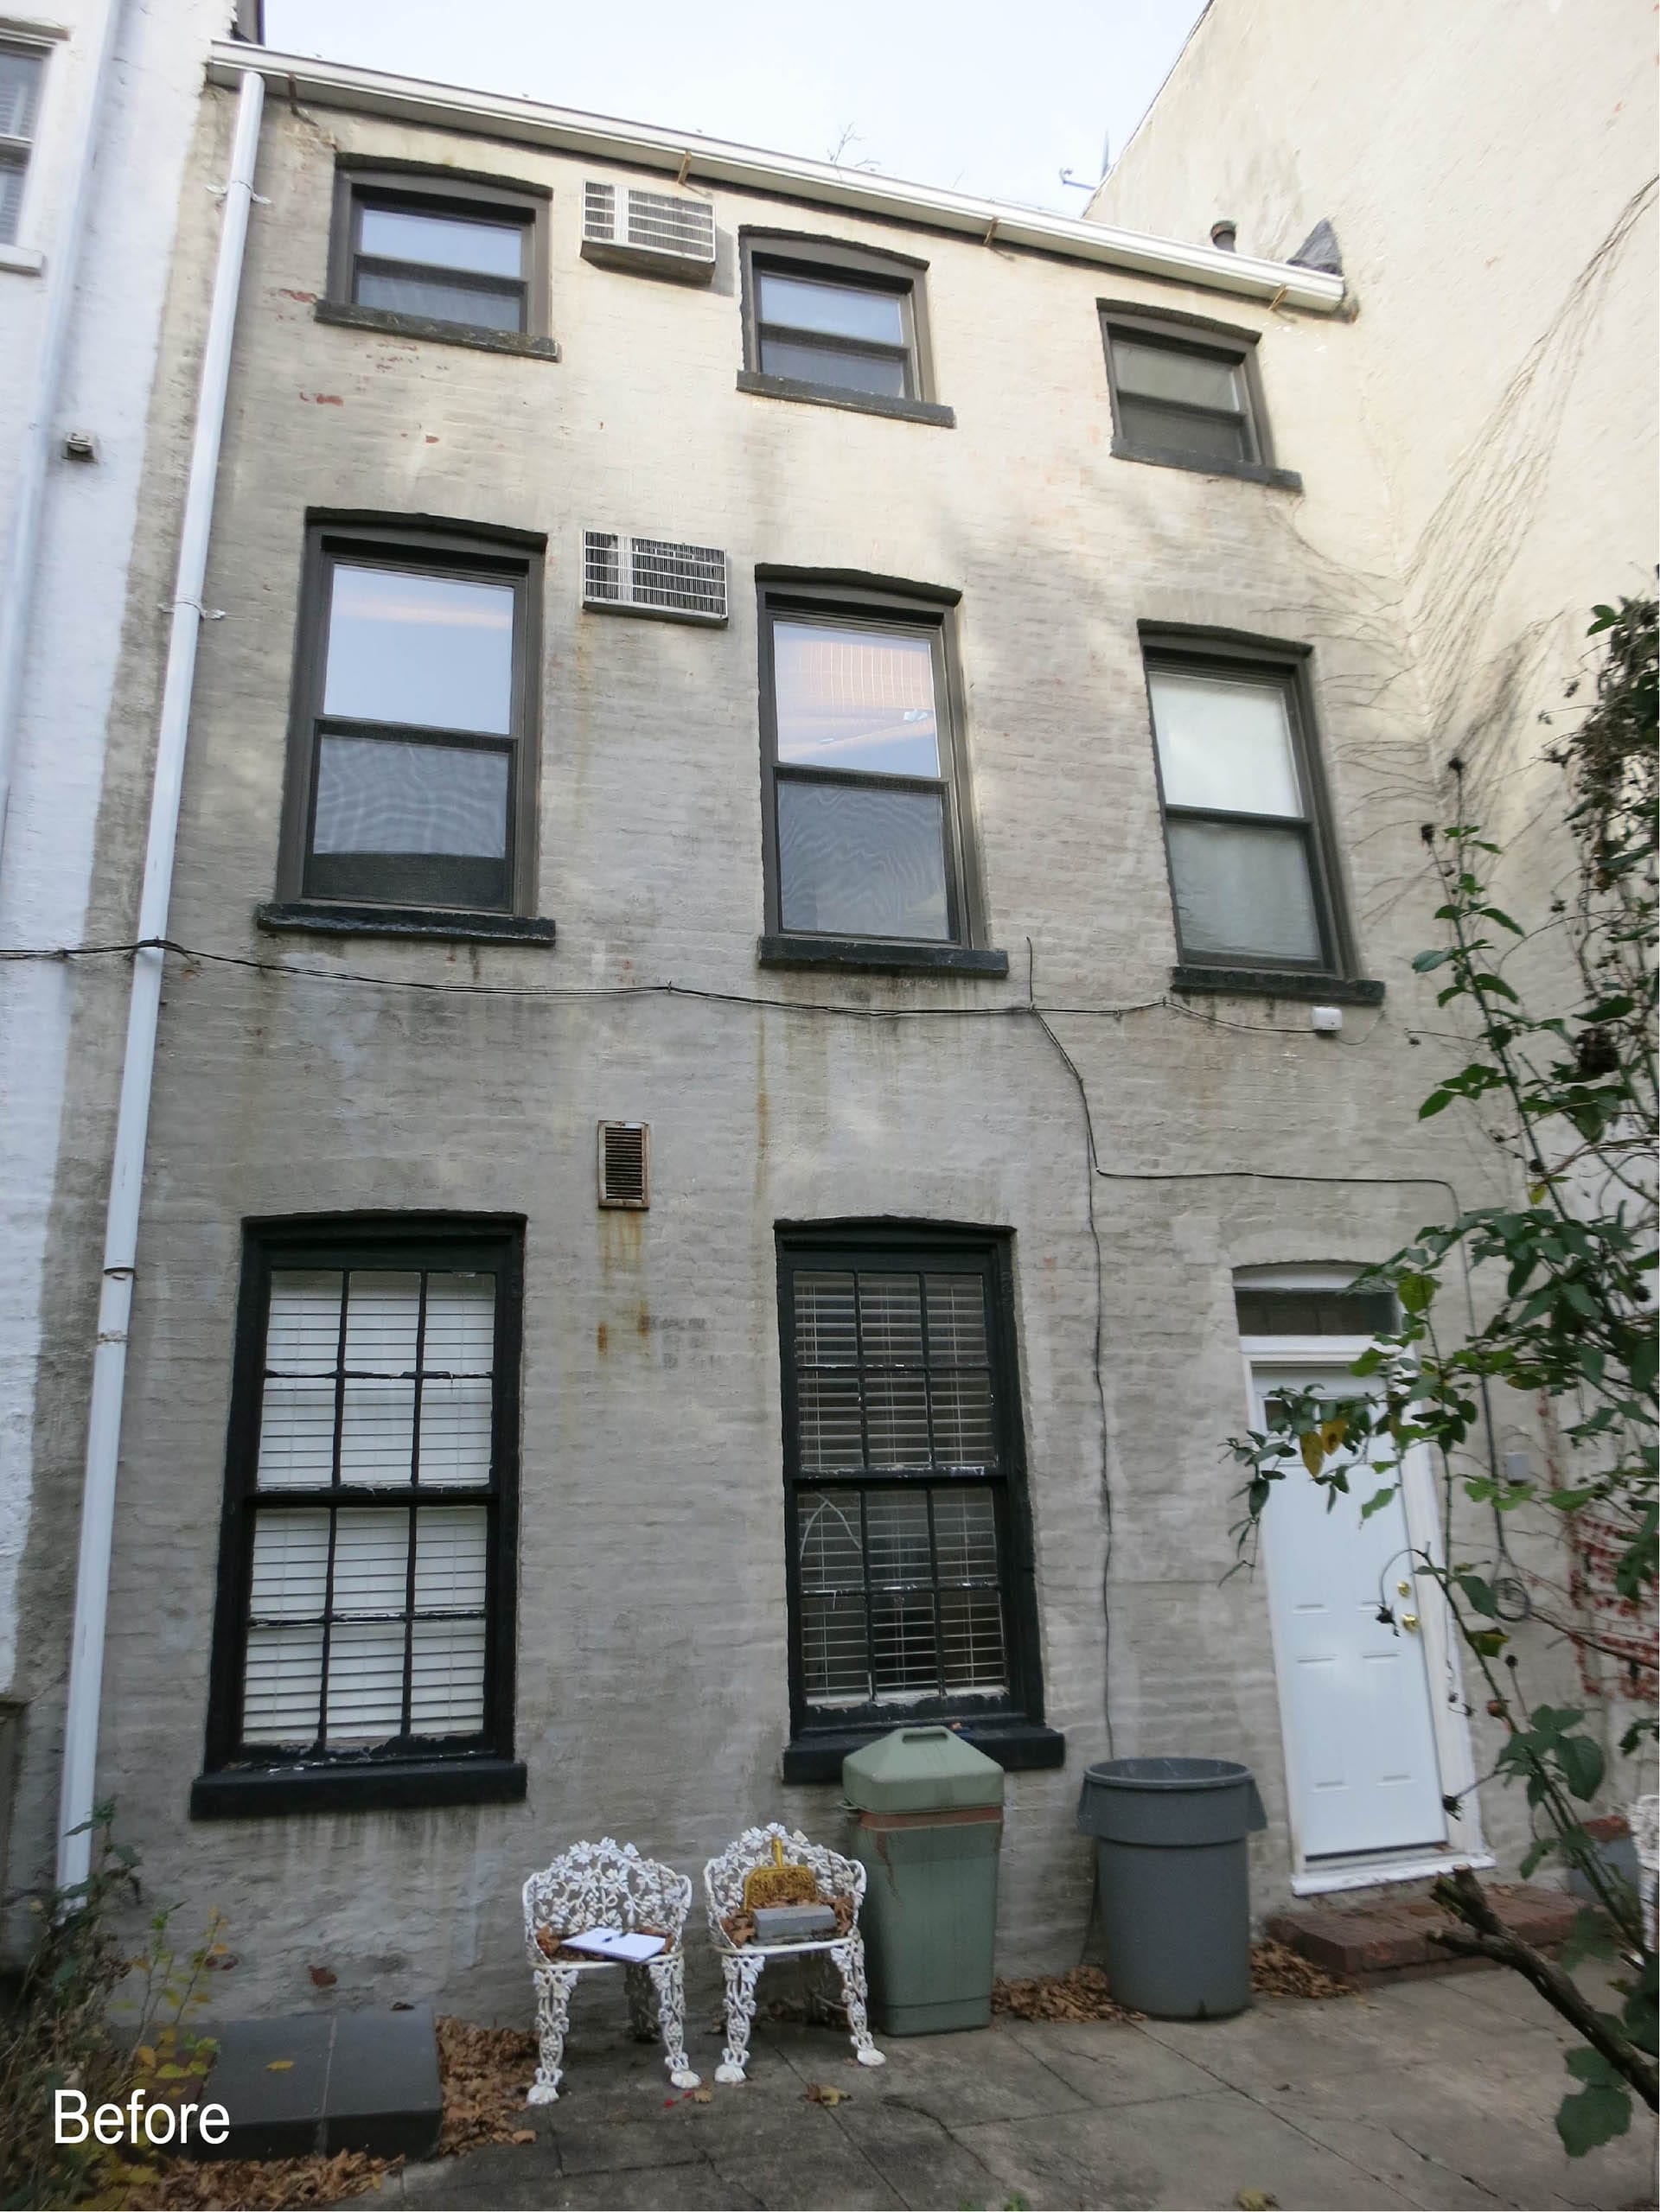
(1184, 396)
(902, 1465)
(367, 1580)
(409, 768)
(23, 69)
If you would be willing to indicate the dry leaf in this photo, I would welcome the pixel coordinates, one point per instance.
(1081, 1995)
(522, 2135)
(280, 2066)
(820, 2093)
(703, 2096)
(1256, 2199)
(1277, 1971)
(324, 1977)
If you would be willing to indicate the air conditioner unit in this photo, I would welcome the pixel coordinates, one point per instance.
(653, 576)
(658, 234)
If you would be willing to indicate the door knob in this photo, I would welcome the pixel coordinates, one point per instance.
(1409, 1622)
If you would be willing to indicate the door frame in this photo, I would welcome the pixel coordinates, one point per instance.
(1454, 1752)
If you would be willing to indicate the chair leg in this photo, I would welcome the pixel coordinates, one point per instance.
(849, 1955)
(643, 2020)
(668, 1980)
(553, 1991)
(741, 1970)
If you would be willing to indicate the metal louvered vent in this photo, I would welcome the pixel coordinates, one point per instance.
(660, 233)
(653, 575)
(625, 1163)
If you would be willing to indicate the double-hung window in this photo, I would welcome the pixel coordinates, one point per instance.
(365, 1621)
(412, 770)
(866, 793)
(443, 256)
(846, 325)
(1239, 779)
(1188, 394)
(23, 70)
(909, 1553)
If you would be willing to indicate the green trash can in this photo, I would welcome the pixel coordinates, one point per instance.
(927, 1815)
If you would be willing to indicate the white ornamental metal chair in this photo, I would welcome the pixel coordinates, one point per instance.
(608, 1884)
(741, 1963)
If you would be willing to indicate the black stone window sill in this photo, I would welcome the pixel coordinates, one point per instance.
(875, 953)
(392, 325)
(860, 403)
(262, 1793)
(1017, 1746)
(1278, 983)
(383, 921)
(1252, 472)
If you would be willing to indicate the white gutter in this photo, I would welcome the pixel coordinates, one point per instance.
(711, 161)
(132, 1123)
(62, 268)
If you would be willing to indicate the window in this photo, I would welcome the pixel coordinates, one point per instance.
(842, 324)
(1238, 775)
(866, 796)
(1264, 1311)
(411, 772)
(367, 1576)
(1187, 394)
(22, 68)
(456, 255)
(904, 1490)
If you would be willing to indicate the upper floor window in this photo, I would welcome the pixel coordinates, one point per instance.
(411, 770)
(23, 71)
(464, 256)
(367, 1578)
(840, 324)
(1187, 395)
(1238, 775)
(865, 790)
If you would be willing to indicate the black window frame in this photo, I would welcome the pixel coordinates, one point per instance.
(363, 180)
(240, 1780)
(1011, 1729)
(860, 268)
(469, 551)
(1287, 667)
(844, 600)
(1196, 335)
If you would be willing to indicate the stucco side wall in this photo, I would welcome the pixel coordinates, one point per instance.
(651, 1689)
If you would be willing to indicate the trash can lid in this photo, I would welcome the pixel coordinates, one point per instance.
(920, 1771)
(1167, 1774)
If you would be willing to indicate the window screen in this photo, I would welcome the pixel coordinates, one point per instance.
(1183, 396)
(23, 69)
(416, 732)
(863, 775)
(899, 1480)
(363, 1530)
(1238, 818)
(1314, 1313)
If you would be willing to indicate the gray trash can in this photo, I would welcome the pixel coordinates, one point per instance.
(1173, 1882)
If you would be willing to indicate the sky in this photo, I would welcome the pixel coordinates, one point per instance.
(934, 91)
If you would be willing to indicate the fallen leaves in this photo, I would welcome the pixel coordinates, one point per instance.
(255, 2185)
(820, 2093)
(324, 1977)
(1082, 1994)
(486, 2072)
(1256, 2199)
(279, 2066)
(1277, 1971)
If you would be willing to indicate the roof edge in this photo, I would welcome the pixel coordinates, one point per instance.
(712, 161)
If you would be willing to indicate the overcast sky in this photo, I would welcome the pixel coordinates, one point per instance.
(981, 95)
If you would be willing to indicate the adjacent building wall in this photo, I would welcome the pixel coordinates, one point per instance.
(651, 1682)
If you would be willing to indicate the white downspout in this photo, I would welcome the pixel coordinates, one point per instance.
(62, 274)
(133, 1122)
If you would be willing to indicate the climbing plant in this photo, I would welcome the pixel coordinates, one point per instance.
(1566, 1272)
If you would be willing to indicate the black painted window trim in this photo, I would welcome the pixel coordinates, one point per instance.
(239, 1780)
(425, 545)
(827, 260)
(1198, 652)
(1196, 335)
(1013, 1728)
(429, 188)
(887, 601)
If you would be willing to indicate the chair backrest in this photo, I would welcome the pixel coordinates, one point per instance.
(605, 1885)
(723, 1877)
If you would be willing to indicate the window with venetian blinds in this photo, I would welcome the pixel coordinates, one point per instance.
(364, 1523)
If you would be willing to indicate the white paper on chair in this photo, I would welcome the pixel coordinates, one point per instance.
(614, 1943)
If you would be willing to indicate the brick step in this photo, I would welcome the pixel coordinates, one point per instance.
(1386, 1938)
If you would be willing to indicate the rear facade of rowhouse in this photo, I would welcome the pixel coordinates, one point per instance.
(715, 1184)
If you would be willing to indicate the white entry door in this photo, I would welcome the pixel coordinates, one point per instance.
(1361, 1750)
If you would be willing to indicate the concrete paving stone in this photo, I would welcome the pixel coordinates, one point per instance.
(919, 2159)
(1192, 2153)
(799, 2162)
(659, 2189)
(1382, 2151)
(983, 2072)
(1109, 2062)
